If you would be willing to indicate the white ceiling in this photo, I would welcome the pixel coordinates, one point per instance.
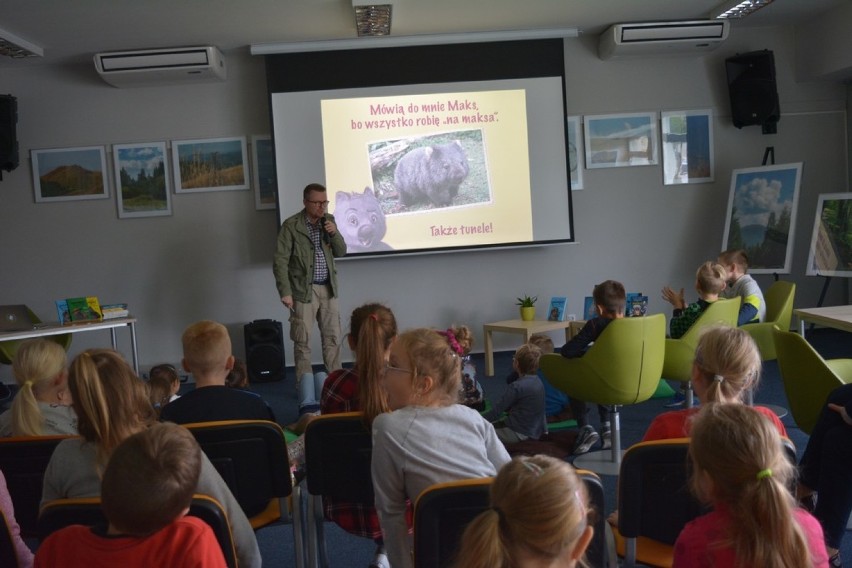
(73, 30)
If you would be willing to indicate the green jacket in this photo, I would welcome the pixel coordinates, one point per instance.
(294, 259)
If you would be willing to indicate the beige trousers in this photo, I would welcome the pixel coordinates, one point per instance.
(323, 309)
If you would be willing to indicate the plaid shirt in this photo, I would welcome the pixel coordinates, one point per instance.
(320, 265)
(340, 394)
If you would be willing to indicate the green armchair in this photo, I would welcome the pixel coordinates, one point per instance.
(677, 365)
(9, 348)
(808, 378)
(622, 367)
(779, 312)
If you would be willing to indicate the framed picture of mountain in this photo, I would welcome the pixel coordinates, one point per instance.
(831, 242)
(141, 180)
(69, 174)
(213, 164)
(762, 215)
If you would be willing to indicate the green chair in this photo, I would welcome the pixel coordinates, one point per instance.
(808, 378)
(677, 365)
(779, 312)
(9, 348)
(622, 367)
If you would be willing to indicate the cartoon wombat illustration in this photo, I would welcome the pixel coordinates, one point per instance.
(431, 173)
(360, 221)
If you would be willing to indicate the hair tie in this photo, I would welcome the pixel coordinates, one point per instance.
(718, 378)
(452, 341)
(500, 514)
(374, 317)
(764, 473)
(28, 383)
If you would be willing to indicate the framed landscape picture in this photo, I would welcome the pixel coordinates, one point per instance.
(141, 184)
(831, 242)
(687, 141)
(263, 168)
(762, 215)
(575, 152)
(621, 140)
(68, 174)
(213, 164)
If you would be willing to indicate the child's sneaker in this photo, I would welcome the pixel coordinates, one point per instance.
(585, 440)
(677, 401)
(606, 439)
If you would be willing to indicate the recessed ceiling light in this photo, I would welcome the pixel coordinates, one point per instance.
(738, 8)
(373, 19)
(15, 47)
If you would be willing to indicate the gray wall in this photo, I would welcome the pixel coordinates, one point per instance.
(212, 257)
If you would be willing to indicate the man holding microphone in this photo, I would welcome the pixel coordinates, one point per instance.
(306, 277)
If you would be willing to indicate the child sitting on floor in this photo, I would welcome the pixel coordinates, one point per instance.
(709, 283)
(523, 401)
(460, 339)
(146, 491)
(556, 407)
(740, 468)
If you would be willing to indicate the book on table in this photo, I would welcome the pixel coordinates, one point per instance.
(84, 309)
(114, 311)
(556, 312)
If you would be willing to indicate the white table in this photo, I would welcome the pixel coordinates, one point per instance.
(46, 330)
(838, 317)
(525, 328)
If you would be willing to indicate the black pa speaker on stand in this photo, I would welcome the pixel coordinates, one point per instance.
(8, 136)
(754, 95)
(264, 350)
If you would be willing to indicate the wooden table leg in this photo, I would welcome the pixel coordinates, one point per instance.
(489, 353)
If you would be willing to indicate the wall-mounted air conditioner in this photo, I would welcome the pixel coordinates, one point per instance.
(662, 38)
(142, 68)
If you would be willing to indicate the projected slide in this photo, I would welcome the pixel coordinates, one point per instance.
(428, 171)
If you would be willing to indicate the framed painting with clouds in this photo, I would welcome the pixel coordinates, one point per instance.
(142, 186)
(762, 215)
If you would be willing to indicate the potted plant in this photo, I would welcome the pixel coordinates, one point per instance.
(527, 305)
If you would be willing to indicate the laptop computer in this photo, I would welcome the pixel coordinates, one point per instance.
(15, 318)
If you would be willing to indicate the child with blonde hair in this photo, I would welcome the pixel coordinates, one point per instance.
(726, 366)
(709, 283)
(740, 468)
(427, 438)
(740, 283)
(523, 401)
(43, 404)
(207, 355)
(538, 517)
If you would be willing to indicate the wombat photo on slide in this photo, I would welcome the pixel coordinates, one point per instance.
(436, 171)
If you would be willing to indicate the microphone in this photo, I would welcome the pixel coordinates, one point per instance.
(325, 236)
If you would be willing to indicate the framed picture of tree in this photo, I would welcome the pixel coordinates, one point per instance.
(831, 242)
(762, 215)
(142, 186)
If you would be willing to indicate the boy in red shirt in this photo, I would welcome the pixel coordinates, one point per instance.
(146, 491)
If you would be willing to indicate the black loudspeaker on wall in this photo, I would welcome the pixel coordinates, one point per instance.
(8, 138)
(754, 96)
(264, 350)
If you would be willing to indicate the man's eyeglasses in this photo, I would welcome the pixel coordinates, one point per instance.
(321, 203)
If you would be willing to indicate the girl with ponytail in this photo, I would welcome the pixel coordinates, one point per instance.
(740, 468)
(43, 404)
(538, 517)
(726, 367)
(427, 438)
